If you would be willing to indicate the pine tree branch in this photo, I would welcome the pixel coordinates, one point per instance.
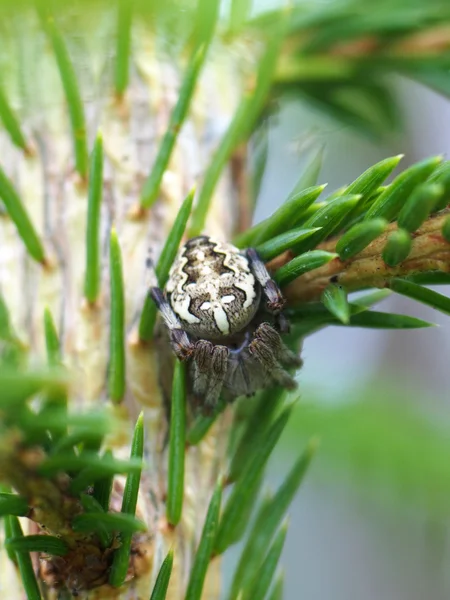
(430, 251)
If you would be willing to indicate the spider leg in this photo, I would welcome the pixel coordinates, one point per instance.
(275, 301)
(210, 368)
(202, 367)
(219, 364)
(179, 339)
(270, 356)
(267, 334)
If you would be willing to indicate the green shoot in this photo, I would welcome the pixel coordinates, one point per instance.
(92, 268)
(162, 581)
(121, 558)
(19, 215)
(116, 376)
(73, 96)
(123, 42)
(175, 483)
(205, 547)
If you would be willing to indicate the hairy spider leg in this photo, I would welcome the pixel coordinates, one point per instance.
(219, 366)
(210, 369)
(202, 367)
(267, 334)
(179, 339)
(275, 300)
(269, 355)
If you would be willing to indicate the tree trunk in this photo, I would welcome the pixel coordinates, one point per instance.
(56, 199)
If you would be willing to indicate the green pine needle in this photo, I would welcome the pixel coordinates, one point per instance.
(313, 209)
(12, 504)
(168, 254)
(47, 544)
(205, 20)
(334, 298)
(390, 202)
(100, 466)
(202, 424)
(246, 568)
(430, 278)
(19, 215)
(397, 248)
(103, 487)
(124, 523)
(92, 268)
(5, 320)
(13, 352)
(123, 42)
(205, 547)
(419, 205)
(162, 581)
(82, 436)
(359, 237)
(51, 339)
(441, 176)
(283, 242)
(255, 431)
(151, 189)
(446, 229)
(23, 559)
(73, 96)
(266, 523)
(369, 181)
(421, 294)
(371, 298)
(177, 447)
(121, 558)
(242, 497)
(302, 264)
(16, 387)
(91, 505)
(314, 309)
(282, 219)
(116, 372)
(277, 592)
(329, 218)
(52, 417)
(92, 423)
(11, 123)
(240, 127)
(8, 534)
(266, 571)
(379, 320)
(313, 316)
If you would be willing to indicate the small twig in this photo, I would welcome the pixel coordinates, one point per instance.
(239, 174)
(430, 252)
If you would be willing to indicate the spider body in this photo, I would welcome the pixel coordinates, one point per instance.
(223, 313)
(212, 289)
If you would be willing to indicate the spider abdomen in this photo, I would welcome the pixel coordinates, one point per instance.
(212, 289)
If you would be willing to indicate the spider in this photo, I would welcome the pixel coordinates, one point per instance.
(223, 314)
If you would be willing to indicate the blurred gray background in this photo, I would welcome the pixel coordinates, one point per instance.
(340, 544)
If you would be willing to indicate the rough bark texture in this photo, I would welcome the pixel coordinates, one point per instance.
(56, 201)
(430, 251)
